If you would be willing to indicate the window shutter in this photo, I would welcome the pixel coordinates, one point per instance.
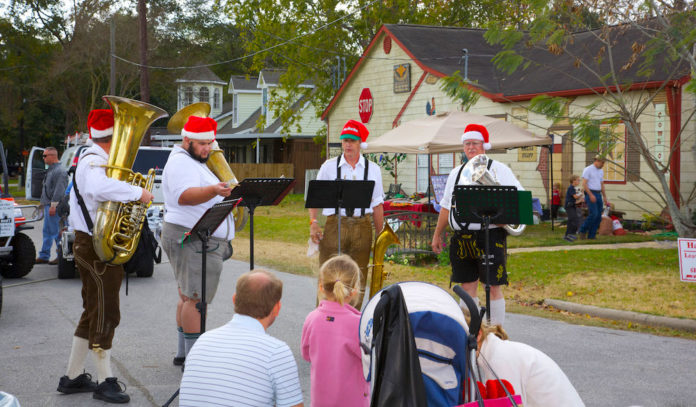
(632, 158)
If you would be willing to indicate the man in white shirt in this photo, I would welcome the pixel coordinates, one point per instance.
(101, 281)
(190, 188)
(356, 225)
(593, 185)
(239, 364)
(468, 243)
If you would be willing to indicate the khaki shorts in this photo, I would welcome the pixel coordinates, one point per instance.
(186, 261)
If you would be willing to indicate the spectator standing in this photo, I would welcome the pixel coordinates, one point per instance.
(595, 197)
(573, 198)
(54, 185)
(330, 339)
(239, 364)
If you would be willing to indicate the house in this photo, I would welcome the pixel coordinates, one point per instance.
(248, 133)
(397, 79)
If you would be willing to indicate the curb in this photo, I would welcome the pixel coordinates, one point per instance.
(655, 244)
(645, 319)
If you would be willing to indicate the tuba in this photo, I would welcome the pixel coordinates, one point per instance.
(117, 225)
(385, 239)
(216, 163)
(476, 172)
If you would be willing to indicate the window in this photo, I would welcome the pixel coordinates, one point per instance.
(188, 96)
(216, 98)
(423, 173)
(445, 163)
(204, 94)
(615, 166)
(235, 109)
(264, 101)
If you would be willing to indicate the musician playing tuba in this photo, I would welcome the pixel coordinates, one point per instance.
(190, 188)
(468, 243)
(101, 281)
(356, 225)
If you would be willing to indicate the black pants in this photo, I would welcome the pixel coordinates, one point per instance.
(573, 219)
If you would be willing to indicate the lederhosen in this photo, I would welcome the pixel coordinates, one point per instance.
(467, 250)
(101, 283)
(356, 234)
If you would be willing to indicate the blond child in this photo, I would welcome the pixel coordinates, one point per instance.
(330, 338)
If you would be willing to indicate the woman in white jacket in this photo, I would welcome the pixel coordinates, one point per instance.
(534, 376)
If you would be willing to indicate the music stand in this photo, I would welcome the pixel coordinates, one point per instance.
(339, 194)
(260, 192)
(483, 204)
(204, 228)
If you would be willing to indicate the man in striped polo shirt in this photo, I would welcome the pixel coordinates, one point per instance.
(239, 364)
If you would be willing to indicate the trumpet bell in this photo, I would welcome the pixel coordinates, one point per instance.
(179, 119)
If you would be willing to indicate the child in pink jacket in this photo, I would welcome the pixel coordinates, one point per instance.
(330, 338)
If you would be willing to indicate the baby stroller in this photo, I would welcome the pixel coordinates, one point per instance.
(417, 349)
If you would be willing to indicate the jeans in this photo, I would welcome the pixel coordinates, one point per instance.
(51, 233)
(594, 217)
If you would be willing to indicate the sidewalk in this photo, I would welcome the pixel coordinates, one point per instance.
(606, 313)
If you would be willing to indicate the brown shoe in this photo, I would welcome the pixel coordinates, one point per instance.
(53, 262)
(41, 261)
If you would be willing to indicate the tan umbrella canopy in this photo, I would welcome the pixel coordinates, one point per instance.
(442, 134)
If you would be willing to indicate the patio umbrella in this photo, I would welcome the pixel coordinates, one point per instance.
(442, 134)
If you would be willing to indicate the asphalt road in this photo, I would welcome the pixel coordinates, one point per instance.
(608, 367)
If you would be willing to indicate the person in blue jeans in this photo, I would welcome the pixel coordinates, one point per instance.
(54, 185)
(595, 197)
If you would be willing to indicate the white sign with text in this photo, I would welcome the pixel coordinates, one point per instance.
(687, 259)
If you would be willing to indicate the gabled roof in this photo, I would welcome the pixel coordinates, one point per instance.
(201, 74)
(438, 51)
(271, 77)
(246, 126)
(296, 107)
(240, 83)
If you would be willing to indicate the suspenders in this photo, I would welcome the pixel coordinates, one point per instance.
(351, 211)
(456, 182)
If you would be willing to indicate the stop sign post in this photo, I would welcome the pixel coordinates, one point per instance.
(365, 104)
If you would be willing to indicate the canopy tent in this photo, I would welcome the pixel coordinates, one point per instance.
(442, 134)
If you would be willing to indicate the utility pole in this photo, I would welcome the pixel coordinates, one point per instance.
(144, 78)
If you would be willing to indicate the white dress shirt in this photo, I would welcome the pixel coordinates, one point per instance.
(500, 171)
(95, 187)
(328, 172)
(181, 173)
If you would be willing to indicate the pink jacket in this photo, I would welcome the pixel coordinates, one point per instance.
(331, 343)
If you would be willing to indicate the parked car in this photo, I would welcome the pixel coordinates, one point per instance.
(146, 158)
(17, 250)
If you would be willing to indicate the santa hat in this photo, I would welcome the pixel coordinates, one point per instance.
(100, 123)
(355, 130)
(200, 128)
(477, 132)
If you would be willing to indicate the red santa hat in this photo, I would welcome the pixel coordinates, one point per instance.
(200, 128)
(355, 130)
(477, 132)
(100, 123)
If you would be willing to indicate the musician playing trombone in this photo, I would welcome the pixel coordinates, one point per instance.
(468, 243)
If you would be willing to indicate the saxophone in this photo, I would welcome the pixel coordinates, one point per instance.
(385, 239)
(117, 225)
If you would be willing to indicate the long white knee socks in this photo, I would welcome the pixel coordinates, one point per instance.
(102, 359)
(78, 354)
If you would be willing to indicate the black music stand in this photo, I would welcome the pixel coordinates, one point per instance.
(260, 192)
(203, 229)
(485, 204)
(339, 194)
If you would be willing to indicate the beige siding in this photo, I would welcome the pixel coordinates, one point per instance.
(248, 104)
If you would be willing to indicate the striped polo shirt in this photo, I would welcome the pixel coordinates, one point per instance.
(239, 364)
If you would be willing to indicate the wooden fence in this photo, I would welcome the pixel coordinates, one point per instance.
(242, 171)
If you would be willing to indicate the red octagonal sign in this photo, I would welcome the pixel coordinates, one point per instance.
(365, 104)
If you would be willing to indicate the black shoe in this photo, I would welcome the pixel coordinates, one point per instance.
(178, 361)
(81, 384)
(110, 391)
(568, 238)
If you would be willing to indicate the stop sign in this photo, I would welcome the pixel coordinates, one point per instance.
(365, 105)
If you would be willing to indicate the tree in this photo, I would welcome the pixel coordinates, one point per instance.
(661, 52)
(307, 37)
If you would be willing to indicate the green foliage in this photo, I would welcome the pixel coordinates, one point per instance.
(460, 89)
(387, 162)
(508, 61)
